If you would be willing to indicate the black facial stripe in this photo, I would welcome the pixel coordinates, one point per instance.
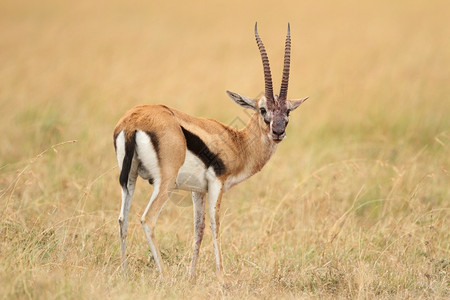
(155, 142)
(199, 148)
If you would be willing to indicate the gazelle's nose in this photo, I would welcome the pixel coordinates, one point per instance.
(278, 132)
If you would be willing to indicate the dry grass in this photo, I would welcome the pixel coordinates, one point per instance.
(355, 203)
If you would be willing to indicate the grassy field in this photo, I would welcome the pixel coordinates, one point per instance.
(354, 204)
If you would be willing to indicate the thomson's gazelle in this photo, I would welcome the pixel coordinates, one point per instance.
(173, 150)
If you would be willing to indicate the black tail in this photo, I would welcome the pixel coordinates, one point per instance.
(130, 145)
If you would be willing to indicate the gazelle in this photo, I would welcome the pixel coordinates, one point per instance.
(173, 150)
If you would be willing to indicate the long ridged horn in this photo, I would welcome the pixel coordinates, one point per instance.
(287, 61)
(265, 61)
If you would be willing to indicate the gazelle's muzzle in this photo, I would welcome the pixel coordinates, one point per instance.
(278, 128)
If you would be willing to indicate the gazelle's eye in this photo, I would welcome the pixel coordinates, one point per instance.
(263, 111)
(287, 113)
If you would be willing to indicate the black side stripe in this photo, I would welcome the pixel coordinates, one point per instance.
(199, 148)
(130, 145)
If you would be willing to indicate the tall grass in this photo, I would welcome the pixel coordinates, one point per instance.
(354, 204)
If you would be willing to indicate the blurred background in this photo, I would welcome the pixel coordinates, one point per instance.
(365, 163)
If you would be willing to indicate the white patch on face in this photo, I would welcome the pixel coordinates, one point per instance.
(120, 148)
(262, 102)
(192, 174)
(147, 156)
(270, 130)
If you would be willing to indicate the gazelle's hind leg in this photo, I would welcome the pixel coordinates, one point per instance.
(125, 148)
(127, 196)
(199, 226)
(161, 193)
(162, 158)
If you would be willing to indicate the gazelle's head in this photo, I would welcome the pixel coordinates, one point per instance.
(273, 109)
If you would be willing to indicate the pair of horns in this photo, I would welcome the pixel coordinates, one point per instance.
(267, 75)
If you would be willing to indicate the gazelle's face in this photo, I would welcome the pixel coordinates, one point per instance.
(273, 115)
(275, 118)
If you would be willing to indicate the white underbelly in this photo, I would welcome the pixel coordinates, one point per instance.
(192, 174)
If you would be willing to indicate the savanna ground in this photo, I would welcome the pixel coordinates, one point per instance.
(354, 204)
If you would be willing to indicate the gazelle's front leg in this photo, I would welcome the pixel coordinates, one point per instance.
(215, 188)
(199, 226)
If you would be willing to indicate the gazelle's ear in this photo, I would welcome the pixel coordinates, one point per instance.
(293, 104)
(242, 101)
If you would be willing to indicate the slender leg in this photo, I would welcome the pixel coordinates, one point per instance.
(127, 196)
(214, 198)
(159, 197)
(199, 226)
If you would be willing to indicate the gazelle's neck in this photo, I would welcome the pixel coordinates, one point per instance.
(256, 148)
(257, 145)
